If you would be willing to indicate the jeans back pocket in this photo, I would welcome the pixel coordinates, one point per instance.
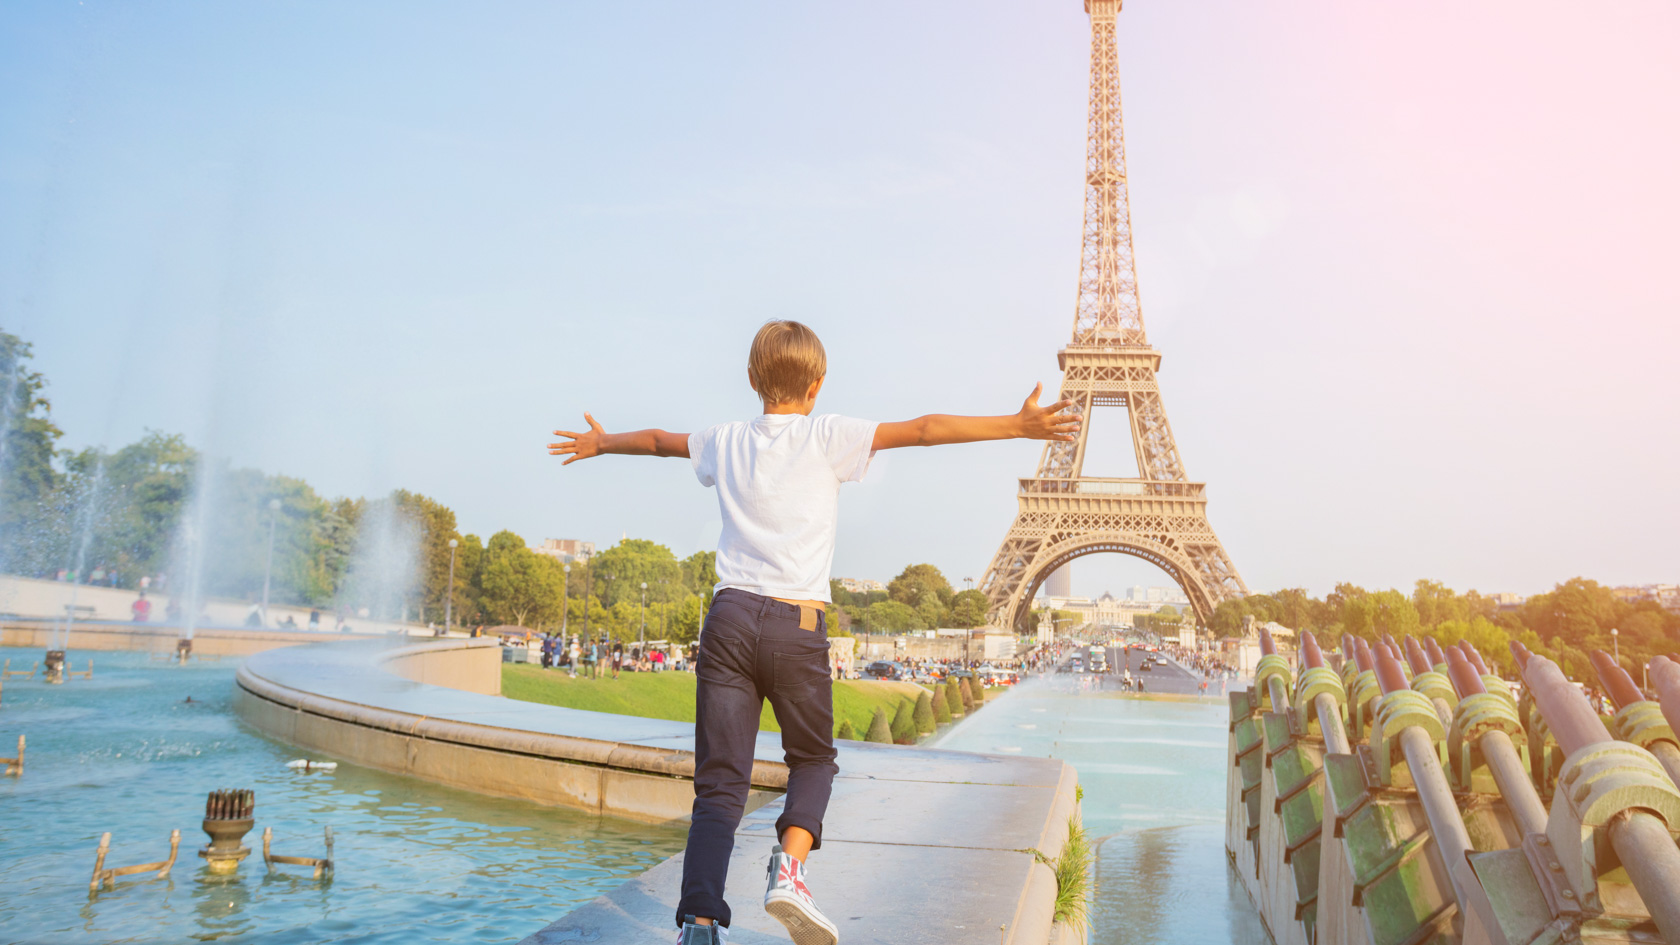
(800, 675)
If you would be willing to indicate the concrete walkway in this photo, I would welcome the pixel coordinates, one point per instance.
(921, 846)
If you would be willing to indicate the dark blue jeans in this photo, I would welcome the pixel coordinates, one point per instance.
(752, 649)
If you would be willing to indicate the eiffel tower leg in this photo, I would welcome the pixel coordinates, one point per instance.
(1038, 543)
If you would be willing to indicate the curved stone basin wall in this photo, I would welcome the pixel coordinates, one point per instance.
(939, 845)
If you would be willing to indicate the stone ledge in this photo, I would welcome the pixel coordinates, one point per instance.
(920, 846)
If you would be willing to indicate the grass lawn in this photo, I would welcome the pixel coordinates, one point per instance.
(670, 695)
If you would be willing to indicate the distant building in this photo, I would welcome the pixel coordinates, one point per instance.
(1507, 601)
(1060, 582)
(861, 586)
(1667, 595)
(566, 549)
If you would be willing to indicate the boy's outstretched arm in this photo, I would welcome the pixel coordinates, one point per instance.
(1032, 423)
(595, 441)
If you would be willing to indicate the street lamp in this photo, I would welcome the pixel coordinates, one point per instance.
(642, 640)
(1616, 643)
(449, 601)
(588, 573)
(565, 597)
(268, 569)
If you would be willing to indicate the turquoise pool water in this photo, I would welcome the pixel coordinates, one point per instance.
(1154, 780)
(416, 863)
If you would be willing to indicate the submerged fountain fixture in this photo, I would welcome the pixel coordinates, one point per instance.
(14, 766)
(227, 819)
(323, 865)
(104, 877)
(183, 649)
(53, 667)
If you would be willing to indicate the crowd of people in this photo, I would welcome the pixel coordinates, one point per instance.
(998, 672)
(593, 658)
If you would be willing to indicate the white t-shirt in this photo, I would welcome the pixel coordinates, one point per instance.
(778, 482)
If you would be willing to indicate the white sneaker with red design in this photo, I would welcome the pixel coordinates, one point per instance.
(788, 900)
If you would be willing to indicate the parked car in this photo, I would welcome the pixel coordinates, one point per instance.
(884, 669)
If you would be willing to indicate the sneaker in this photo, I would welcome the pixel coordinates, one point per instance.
(693, 933)
(790, 903)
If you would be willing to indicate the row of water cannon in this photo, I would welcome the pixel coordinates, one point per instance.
(1397, 793)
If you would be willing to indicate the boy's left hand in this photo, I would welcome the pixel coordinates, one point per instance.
(582, 445)
(1047, 423)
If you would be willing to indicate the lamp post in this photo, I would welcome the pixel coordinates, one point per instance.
(449, 600)
(588, 580)
(641, 640)
(1616, 644)
(665, 610)
(268, 569)
(565, 597)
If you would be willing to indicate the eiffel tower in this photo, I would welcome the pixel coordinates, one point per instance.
(1161, 516)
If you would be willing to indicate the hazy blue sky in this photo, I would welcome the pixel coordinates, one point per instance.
(1410, 266)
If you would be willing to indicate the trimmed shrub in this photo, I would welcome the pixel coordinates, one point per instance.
(879, 730)
(953, 697)
(967, 693)
(904, 724)
(977, 689)
(941, 707)
(926, 722)
(846, 731)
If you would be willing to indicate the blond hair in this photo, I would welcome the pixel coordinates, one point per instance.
(785, 360)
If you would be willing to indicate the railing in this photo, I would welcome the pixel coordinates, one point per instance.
(1113, 487)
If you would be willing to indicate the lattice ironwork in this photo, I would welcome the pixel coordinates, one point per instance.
(1161, 516)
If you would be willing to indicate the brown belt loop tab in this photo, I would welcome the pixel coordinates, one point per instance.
(809, 617)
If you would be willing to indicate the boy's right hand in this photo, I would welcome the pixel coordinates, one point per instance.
(582, 445)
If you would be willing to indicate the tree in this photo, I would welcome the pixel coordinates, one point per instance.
(965, 692)
(923, 589)
(1393, 613)
(1436, 603)
(846, 731)
(468, 610)
(699, 573)
(518, 584)
(968, 609)
(879, 730)
(630, 563)
(28, 437)
(891, 616)
(904, 724)
(941, 706)
(953, 697)
(926, 721)
(916, 581)
(835, 626)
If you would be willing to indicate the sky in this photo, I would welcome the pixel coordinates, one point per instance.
(1409, 266)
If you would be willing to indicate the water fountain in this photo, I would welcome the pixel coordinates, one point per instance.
(89, 506)
(384, 570)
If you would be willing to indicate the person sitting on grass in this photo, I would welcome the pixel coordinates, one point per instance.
(778, 479)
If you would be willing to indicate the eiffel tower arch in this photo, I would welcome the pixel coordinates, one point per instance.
(1062, 514)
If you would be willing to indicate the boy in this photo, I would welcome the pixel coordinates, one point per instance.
(778, 480)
